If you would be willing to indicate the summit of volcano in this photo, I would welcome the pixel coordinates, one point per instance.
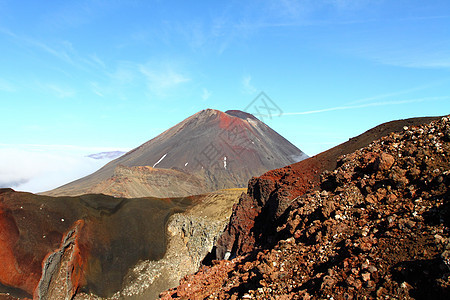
(208, 151)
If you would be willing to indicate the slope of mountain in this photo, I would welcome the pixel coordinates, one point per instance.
(208, 151)
(377, 226)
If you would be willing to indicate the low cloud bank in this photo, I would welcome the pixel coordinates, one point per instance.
(37, 168)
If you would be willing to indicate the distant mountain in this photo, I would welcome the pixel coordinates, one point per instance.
(208, 151)
(106, 155)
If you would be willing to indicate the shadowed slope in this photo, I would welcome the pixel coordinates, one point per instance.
(96, 237)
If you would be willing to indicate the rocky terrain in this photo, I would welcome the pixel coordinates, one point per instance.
(208, 151)
(191, 236)
(366, 219)
(374, 226)
(96, 246)
(270, 194)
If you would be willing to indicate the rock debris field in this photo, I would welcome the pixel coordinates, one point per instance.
(377, 228)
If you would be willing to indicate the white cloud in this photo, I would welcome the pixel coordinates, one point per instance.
(373, 104)
(402, 92)
(420, 54)
(127, 77)
(124, 74)
(60, 92)
(349, 4)
(161, 78)
(6, 86)
(62, 50)
(289, 9)
(412, 42)
(206, 94)
(247, 86)
(96, 60)
(57, 90)
(74, 14)
(118, 82)
(38, 168)
(195, 35)
(96, 89)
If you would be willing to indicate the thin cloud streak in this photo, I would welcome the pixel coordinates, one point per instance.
(6, 86)
(61, 92)
(67, 54)
(37, 44)
(402, 92)
(161, 79)
(384, 103)
(247, 86)
(206, 94)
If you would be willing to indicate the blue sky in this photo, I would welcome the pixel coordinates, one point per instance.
(95, 75)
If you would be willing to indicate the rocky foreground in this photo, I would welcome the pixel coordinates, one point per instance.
(377, 226)
(100, 247)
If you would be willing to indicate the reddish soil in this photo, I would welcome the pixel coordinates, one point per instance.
(13, 273)
(377, 226)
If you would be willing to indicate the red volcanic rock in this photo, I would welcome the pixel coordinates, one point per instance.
(331, 242)
(384, 162)
(270, 194)
(241, 220)
(13, 273)
(211, 280)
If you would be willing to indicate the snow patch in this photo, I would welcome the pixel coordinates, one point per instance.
(186, 164)
(225, 162)
(159, 160)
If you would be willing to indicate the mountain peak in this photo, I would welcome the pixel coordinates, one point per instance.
(240, 114)
(233, 112)
(215, 149)
(209, 111)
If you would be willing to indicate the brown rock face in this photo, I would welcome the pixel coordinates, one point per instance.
(208, 151)
(375, 227)
(384, 162)
(63, 270)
